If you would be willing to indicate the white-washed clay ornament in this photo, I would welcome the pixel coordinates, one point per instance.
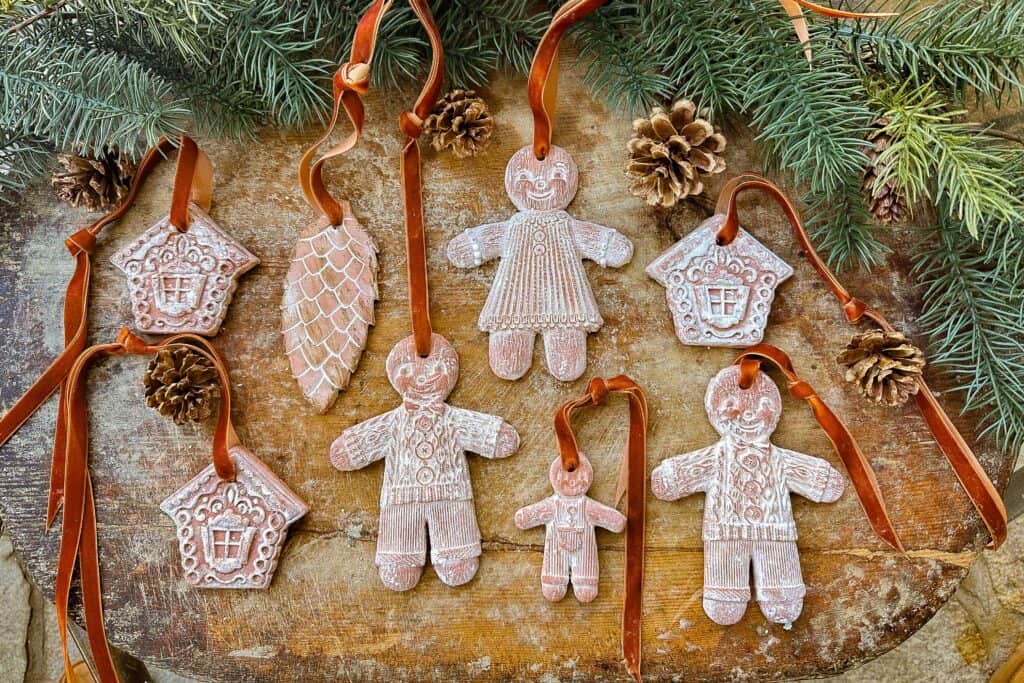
(540, 286)
(230, 532)
(748, 518)
(327, 309)
(426, 489)
(570, 519)
(719, 295)
(182, 280)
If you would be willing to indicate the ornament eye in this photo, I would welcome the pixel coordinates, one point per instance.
(729, 406)
(559, 172)
(524, 176)
(765, 405)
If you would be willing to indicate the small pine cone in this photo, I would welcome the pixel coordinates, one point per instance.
(181, 384)
(98, 182)
(886, 202)
(883, 365)
(671, 152)
(461, 123)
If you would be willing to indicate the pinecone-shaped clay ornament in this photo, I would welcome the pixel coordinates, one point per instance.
(884, 366)
(460, 123)
(886, 201)
(671, 152)
(98, 182)
(182, 385)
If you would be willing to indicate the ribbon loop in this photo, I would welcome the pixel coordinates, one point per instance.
(857, 465)
(635, 469)
(972, 476)
(82, 241)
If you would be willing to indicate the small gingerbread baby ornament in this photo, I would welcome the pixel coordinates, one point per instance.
(570, 518)
(426, 490)
(541, 286)
(747, 513)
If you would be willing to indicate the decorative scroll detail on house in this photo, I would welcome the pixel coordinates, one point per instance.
(182, 281)
(719, 295)
(327, 309)
(230, 533)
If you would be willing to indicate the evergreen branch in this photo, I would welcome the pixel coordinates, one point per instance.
(619, 67)
(843, 228)
(960, 46)
(952, 162)
(46, 11)
(22, 158)
(75, 96)
(974, 317)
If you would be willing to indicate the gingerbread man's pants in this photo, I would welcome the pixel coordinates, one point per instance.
(777, 580)
(454, 540)
(570, 553)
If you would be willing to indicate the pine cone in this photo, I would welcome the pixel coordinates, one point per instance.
(460, 122)
(97, 182)
(181, 384)
(671, 152)
(887, 202)
(884, 365)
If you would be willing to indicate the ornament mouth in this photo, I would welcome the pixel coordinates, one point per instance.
(541, 196)
(749, 427)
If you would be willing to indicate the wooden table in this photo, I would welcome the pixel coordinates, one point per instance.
(326, 614)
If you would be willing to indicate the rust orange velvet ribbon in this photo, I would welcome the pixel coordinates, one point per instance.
(193, 181)
(633, 485)
(969, 472)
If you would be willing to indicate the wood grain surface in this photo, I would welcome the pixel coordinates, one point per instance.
(326, 615)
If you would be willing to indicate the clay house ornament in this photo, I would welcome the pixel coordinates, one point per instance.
(719, 295)
(230, 533)
(182, 280)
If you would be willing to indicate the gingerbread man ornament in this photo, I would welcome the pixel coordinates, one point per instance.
(570, 518)
(541, 286)
(426, 490)
(748, 518)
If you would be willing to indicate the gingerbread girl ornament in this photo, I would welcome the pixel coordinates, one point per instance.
(426, 491)
(541, 286)
(570, 519)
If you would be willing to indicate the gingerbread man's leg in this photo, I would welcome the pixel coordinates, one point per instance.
(554, 575)
(726, 580)
(779, 583)
(511, 352)
(401, 545)
(454, 540)
(583, 565)
(565, 351)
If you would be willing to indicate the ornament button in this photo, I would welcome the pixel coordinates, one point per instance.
(753, 514)
(424, 476)
(424, 450)
(539, 249)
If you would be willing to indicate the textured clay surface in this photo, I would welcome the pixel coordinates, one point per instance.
(326, 614)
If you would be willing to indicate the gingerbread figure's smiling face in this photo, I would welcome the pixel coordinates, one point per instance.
(423, 380)
(745, 414)
(574, 483)
(541, 185)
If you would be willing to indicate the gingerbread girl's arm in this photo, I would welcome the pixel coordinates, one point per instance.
(475, 246)
(604, 516)
(605, 246)
(685, 474)
(483, 434)
(536, 514)
(364, 443)
(812, 478)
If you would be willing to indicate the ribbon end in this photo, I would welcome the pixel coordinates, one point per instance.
(52, 508)
(633, 667)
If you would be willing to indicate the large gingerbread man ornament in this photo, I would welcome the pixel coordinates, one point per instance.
(748, 517)
(541, 286)
(570, 544)
(426, 490)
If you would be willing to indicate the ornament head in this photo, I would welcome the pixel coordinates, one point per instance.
(574, 483)
(744, 414)
(421, 379)
(541, 184)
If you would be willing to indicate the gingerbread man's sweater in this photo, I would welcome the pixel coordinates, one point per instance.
(747, 486)
(424, 448)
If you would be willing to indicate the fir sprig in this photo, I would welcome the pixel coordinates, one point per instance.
(933, 153)
(22, 158)
(77, 97)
